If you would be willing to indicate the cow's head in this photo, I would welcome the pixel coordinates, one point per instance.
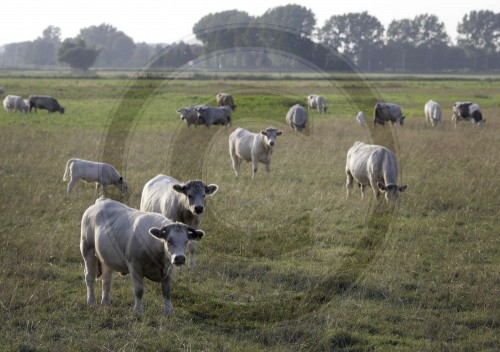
(391, 192)
(175, 238)
(182, 113)
(122, 185)
(195, 192)
(270, 135)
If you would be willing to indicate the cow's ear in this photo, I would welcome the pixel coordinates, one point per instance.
(381, 186)
(403, 188)
(279, 133)
(179, 188)
(211, 189)
(121, 179)
(195, 235)
(158, 233)
(263, 132)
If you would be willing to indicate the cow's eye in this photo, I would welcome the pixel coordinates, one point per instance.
(190, 196)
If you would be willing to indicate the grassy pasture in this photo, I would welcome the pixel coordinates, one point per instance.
(288, 262)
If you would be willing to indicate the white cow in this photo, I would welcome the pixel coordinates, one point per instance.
(467, 111)
(297, 117)
(184, 202)
(115, 237)
(15, 103)
(315, 101)
(432, 112)
(224, 99)
(361, 118)
(190, 115)
(375, 166)
(90, 171)
(254, 147)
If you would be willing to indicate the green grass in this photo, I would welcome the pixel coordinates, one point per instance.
(288, 262)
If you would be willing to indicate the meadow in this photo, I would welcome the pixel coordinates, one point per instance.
(288, 263)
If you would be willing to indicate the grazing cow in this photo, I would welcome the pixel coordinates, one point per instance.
(2, 90)
(467, 111)
(190, 115)
(375, 166)
(432, 112)
(317, 102)
(224, 99)
(254, 147)
(387, 112)
(297, 117)
(115, 237)
(45, 102)
(361, 118)
(184, 202)
(90, 171)
(15, 103)
(215, 116)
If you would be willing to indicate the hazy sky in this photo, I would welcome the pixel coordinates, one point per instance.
(163, 21)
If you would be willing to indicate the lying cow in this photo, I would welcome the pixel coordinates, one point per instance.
(361, 118)
(44, 102)
(15, 103)
(254, 147)
(184, 202)
(190, 115)
(375, 166)
(115, 237)
(297, 117)
(224, 99)
(215, 116)
(317, 102)
(467, 111)
(387, 112)
(432, 112)
(90, 171)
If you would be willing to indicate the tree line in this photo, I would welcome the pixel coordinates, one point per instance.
(418, 44)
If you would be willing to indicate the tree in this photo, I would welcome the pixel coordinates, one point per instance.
(294, 17)
(76, 53)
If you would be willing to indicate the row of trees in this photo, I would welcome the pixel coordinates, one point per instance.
(414, 44)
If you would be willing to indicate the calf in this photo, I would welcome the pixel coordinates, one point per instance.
(467, 111)
(254, 147)
(224, 99)
(387, 112)
(376, 166)
(315, 101)
(297, 118)
(432, 112)
(115, 237)
(215, 116)
(184, 202)
(15, 103)
(90, 171)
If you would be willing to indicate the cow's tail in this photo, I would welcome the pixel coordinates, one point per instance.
(66, 171)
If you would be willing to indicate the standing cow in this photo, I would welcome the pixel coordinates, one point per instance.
(190, 115)
(297, 118)
(115, 237)
(15, 103)
(467, 111)
(184, 202)
(44, 102)
(315, 101)
(224, 99)
(387, 112)
(432, 112)
(214, 116)
(254, 147)
(374, 166)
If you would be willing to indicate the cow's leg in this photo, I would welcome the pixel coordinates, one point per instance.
(105, 190)
(138, 285)
(72, 183)
(236, 164)
(90, 260)
(362, 190)
(107, 278)
(255, 164)
(165, 288)
(97, 185)
(349, 183)
(268, 167)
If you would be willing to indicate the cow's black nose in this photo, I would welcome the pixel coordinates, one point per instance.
(179, 260)
(271, 143)
(198, 209)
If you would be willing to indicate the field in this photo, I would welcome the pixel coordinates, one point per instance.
(288, 263)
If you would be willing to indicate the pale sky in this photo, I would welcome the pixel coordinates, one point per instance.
(157, 21)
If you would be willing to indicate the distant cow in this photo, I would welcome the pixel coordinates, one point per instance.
(190, 115)
(224, 99)
(215, 116)
(254, 147)
(432, 112)
(2, 90)
(15, 103)
(184, 202)
(297, 117)
(90, 171)
(387, 112)
(44, 102)
(115, 237)
(361, 118)
(317, 102)
(375, 166)
(467, 111)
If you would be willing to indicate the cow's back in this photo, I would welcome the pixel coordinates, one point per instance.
(157, 193)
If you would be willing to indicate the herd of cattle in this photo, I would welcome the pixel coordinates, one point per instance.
(16, 103)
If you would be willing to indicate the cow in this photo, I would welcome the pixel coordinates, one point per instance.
(254, 147)
(190, 115)
(184, 202)
(387, 112)
(2, 90)
(315, 101)
(214, 116)
(361, 118)
(115, 237)
(224, 99)
(374, 166)
(45, 102)
(15, 103)
(432, 112)
(297, 117)
(467, 111)
(91, 171)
